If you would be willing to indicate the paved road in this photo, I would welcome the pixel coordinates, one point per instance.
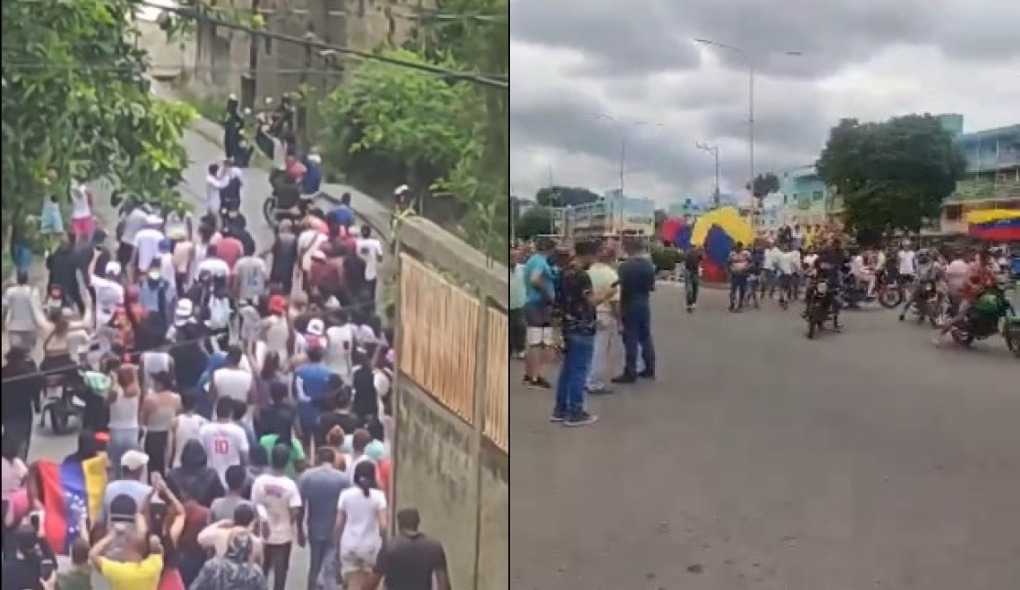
(202, 152)
(761, 460)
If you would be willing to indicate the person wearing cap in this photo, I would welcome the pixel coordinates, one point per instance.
(131, 485)
(110, 296)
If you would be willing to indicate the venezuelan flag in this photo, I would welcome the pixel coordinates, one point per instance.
(995, 226)
(70, 491)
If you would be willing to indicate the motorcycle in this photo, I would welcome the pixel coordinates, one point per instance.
(929, 304)
(984, 320)
(819, 307)
(61, 403)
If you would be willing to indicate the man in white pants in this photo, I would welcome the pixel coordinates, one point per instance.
(604, 279)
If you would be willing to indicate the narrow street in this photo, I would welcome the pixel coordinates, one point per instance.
(761, 460)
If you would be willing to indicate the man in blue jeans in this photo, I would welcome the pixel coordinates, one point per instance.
(637, 281)
(578, 304)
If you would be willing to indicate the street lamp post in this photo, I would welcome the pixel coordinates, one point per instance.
(749, 61)
(625, 138)
(713, 150)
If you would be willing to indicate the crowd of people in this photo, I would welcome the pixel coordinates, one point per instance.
(572, 307)
(240, 394)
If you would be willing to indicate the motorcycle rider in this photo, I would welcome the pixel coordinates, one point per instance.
(863, 273)
(927, 276)
(828, 267)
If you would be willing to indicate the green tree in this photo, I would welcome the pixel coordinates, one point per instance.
(892, 175)
(764, 185)
(536, 221)
(565, 196)
(75, 101)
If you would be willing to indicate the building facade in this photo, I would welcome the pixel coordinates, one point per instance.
(992, 180)
(613, 215)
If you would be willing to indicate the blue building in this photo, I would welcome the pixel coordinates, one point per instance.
(993, 176)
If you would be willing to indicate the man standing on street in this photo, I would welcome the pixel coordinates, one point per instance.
(637, 282)
(604, 280)
(518, 297)
(540, 292)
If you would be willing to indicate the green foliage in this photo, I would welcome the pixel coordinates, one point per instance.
(666, 259)
(75, 101)
(535, 221)
(764, 185)
(564, 196)
(892, 175)
(445, 137)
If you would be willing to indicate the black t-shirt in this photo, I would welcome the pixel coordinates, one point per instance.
(409, 562)
(277, 418)
(578, 313)
(23, 392)
(24, 574)
(284, 257)
(692, 261)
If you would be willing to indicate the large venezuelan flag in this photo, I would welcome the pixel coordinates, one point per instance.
(995, 226)
(70, 491)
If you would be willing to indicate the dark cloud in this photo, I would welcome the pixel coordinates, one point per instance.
(614, 37)
(649, 36)
(572, 127)
(775, 129)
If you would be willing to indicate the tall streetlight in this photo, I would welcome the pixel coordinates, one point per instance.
(627, 125)
(713, 150)
(749, 61)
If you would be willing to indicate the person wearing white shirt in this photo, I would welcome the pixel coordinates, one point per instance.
(278, 497)
(233, 381)
(215, 180)
(213, 264)
(769, 270)
(785, 265)
(864, 275)
(907, 263)
(147, 244)
(371, 251)
(225, 442)
(109, 296)
(361, 523)
(135, 222)
(340, 346)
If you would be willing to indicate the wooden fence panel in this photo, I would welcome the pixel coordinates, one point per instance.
(497, 420)
(440, 322)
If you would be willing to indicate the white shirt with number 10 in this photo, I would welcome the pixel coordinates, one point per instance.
(225, 444)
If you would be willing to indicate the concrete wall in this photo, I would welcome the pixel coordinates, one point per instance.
(444, 466)
(436, 471)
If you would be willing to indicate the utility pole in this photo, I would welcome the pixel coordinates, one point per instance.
(713, 150)
(623, 161)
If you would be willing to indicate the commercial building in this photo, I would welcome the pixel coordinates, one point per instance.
(992, 180)
(613, 215)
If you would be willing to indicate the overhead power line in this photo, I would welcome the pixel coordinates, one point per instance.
(310, 43)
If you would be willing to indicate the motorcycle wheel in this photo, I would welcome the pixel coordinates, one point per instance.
(890, 297)
(962, 338)
(269, 211)
(60, 420)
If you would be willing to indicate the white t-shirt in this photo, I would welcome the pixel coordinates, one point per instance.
(233, 383)
(772, 258)
(362, 529)
(784, 262)
(252, 277)
(147, 245)
(366, 335)
(216, 267)
(371, 258)
(80, 208)
(339, 350)
(278, 495)
(133, 224)
(309, 241)
(109, 296)
(225, 444)
(908, 262)
(188, 428)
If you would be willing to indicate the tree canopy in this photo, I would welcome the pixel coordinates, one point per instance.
(75, 101)
(535, 221)
(445, 137)
(565, 196)
(892, 175)
(764, 185)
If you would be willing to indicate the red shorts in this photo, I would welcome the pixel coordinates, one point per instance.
(83, 227)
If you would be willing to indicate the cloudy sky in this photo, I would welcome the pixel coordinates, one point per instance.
(587, 73)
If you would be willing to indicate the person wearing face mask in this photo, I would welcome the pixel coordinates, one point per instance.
(156, 296)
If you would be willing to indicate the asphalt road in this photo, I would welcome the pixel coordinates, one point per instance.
(761, 460)
(202, 153)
